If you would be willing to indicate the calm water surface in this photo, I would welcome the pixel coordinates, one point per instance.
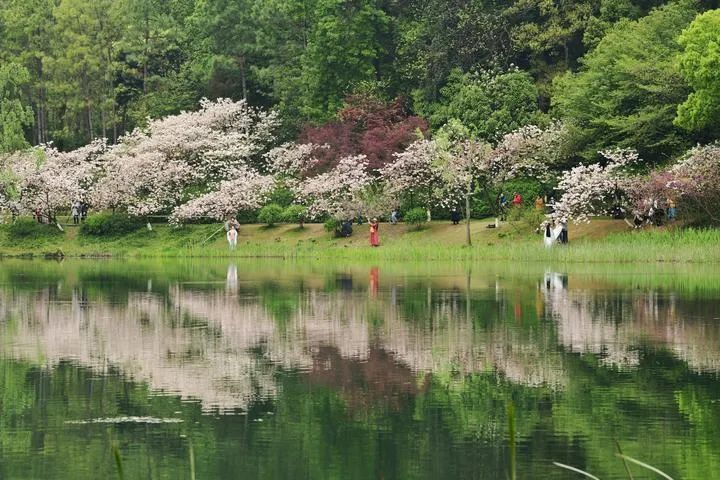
(270, 370)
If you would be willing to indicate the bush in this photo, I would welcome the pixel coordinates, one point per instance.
(271, 214)
(27, 227)
(333, 225)
(527, 218)
(110, 225)
(295, 214)
(416, 217)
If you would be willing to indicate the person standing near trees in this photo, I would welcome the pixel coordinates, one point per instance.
(394, 217)
(232, 236)
(671, 210)
(374, 234)
(75, 211)
(517, 200)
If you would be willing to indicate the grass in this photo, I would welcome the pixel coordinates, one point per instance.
(602, 241)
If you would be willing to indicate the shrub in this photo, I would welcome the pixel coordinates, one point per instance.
(271, 214)
(527, 218)
(416, 217)
(110, 225)
(295, 214)
(333, 225)
(27, 227)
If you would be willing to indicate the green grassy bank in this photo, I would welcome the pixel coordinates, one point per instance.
(601, 241)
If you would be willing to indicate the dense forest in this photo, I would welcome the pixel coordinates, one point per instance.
(628, 73)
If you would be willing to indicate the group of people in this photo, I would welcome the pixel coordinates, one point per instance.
(654, 212)
(79, 210)
(556, 232)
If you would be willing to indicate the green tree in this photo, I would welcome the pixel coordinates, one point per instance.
(14, 115)
(628, 88)
(489, 105)
(346, 46)
(700, 66)
(27, 32)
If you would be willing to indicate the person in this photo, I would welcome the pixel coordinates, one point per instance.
(549, 237)
(232, 236)
(517, 200)
(455, 216)
(83, 210)
(539, 204)
(374, 235)
(551, 205)
(671, 210)
(393, 217)
(563, 232)
(346, 228)
(75, 211)
(502, 205)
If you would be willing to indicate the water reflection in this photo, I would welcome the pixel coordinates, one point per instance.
(586, 359)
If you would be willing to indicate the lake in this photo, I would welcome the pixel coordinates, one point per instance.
(264, 369)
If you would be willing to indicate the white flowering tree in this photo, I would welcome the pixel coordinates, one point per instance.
(589, 190)
(336, 193)
(183, 156)
(416, 174)
(248, 190)
(528, 152)
(43, 180)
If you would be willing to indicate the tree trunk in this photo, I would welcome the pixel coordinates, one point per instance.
(467, 220)
(243, 76)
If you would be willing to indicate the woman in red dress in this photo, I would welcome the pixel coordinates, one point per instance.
(374, 236)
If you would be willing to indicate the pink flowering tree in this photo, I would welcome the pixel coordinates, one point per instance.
(695, 183)
(589, 190)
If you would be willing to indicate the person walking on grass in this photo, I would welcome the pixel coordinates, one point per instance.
(232, 236)
(393, 217)
(374, 235)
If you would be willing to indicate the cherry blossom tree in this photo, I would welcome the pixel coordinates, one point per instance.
(336, 193)
(593, 189)
(695, 182)
(43, 180)
(182, 156)
(248, 190)
(415, 174)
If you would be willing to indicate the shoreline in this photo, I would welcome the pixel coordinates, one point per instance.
(601, 241)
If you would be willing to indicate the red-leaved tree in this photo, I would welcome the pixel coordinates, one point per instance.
(365, 126)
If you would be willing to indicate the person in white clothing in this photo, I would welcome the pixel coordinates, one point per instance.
(232, 236)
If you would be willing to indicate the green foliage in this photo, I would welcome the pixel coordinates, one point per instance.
(333, 225)
(488, 105)
(27, 228)
(295, 214)
(526, 219)
(627, 91)
(700, 66)
(110, 225)
(417, 217)
(14, 115)
(282, 195)
(271, 214)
